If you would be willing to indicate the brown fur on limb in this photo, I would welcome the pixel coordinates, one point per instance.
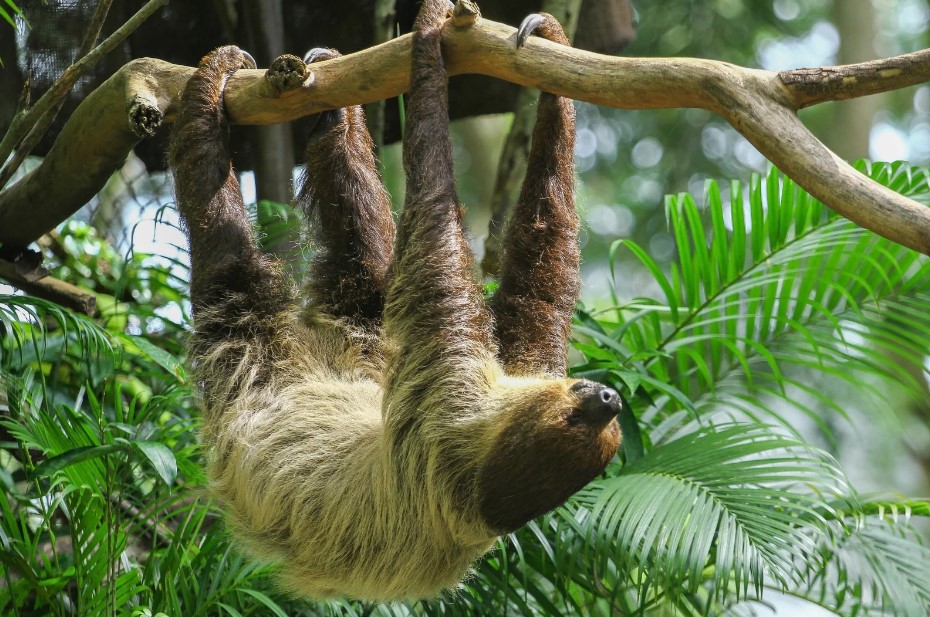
(377, 453)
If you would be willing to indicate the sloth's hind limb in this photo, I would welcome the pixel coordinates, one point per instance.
(349, 217)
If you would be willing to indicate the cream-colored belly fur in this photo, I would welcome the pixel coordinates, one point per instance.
(305, 472)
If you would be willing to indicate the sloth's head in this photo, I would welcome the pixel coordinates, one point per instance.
(552, 438)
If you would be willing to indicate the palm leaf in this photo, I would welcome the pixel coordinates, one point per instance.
(870, 565)
(24, 337)
(772, 304)
(732, 505)
(756, 308)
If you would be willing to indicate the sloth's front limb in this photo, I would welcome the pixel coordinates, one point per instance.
(539, 281)
(208, 194)
(434, 314)
(349, 216)
(238, 294)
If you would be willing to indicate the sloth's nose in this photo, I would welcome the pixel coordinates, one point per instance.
(599, 404)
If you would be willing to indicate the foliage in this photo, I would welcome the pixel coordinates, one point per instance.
(10, 11)
(716, 502)
(629, 158)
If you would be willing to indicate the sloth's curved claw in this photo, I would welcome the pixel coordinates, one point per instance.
(248, 62)
(329, 119)
(528, 26)
(319, 54)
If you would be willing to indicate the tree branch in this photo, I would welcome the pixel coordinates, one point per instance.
(759, 104)
(34, 280)
(384, 24)
(833, 83)
(51, 104)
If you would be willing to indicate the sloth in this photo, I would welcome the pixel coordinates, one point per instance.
(376, 436)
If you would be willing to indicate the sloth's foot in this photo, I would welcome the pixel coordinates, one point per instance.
(287, 72)
(465, 13)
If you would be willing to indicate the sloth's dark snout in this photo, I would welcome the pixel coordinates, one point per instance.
(598, 404)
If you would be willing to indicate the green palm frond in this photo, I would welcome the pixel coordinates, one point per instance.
(872, 566)
(773, 289)
(25, 336)
(97, 543)
(729, 506)
(194, 570)
(865, 566)
(771, 299)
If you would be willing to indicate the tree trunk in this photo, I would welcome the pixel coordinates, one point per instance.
(273, 158)
(848, 135)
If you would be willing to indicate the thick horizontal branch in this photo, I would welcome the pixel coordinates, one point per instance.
(759, 104)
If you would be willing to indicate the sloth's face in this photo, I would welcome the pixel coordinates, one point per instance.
(555, 436)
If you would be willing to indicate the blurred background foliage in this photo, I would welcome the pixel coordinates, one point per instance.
(777, 376)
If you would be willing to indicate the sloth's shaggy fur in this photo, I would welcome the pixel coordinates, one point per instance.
(378, 441)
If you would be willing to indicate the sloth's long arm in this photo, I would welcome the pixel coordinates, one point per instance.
(539, 282)
(236, 292)
(349, 214)
(434, 309)
(208, 193)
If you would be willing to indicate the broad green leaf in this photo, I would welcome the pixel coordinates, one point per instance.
(160, 357)
(731, 496)
(161, 458)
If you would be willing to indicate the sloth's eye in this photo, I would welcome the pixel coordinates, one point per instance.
(574, 417)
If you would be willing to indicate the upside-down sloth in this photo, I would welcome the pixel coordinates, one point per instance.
(379, 439)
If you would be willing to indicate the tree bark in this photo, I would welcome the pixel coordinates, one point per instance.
(34, 279)
(384, 24)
